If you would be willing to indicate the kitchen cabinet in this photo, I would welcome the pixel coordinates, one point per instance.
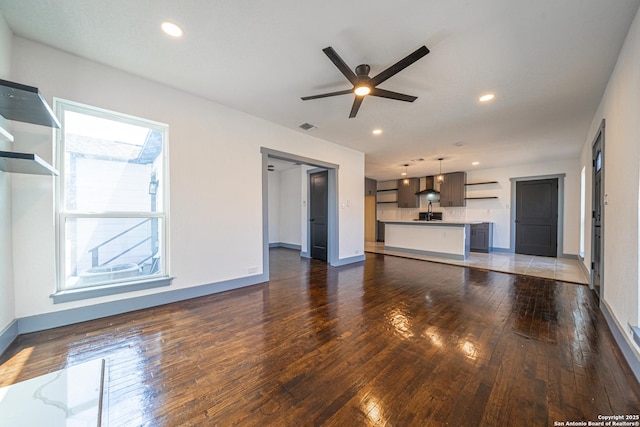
(24, 104)
(380, 231)
(370, 187)
(407, 189)
(452, 190)
(481, 239)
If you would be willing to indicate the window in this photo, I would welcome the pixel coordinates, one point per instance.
(112, 198)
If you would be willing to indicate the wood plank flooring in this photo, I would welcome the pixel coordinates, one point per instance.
(388, 342)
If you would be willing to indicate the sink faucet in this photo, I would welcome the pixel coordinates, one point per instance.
(429, 211)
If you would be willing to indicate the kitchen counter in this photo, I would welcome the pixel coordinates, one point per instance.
(445, 238)
(432, 222)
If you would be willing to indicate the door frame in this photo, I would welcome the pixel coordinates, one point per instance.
(600, 134)
(332, 204)
(512, 227)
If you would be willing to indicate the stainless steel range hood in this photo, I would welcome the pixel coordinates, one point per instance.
(428, 186)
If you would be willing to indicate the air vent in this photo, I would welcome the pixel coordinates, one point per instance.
(307, 126)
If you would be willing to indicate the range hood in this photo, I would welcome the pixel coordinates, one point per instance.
(429, 187)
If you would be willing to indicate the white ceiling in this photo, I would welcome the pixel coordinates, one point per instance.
(547, 61)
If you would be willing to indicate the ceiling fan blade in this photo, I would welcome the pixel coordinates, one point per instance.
(325, 95)
(356, 106)
(342, 66)
(392, 95)
(399, 66)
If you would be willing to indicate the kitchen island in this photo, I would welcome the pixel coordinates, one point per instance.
(449, 239)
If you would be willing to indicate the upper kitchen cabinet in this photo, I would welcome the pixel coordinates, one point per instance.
(452, 190)
(370, 187)
(24, 103)
(407, 189)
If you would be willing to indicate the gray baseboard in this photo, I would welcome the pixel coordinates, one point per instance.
(584, 269)
(285, 245)
(56, 319)
(346, 261)
(504, 250)
(426, 253)
(569, 256)
(7, 336)
(630, 355)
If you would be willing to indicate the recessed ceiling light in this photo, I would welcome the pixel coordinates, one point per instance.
(172, 29)
(475, 163)
(487, 97)
(377, 131)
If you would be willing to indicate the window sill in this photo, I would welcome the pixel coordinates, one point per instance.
(105, 290)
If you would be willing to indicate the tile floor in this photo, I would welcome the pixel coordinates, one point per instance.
(562, 269)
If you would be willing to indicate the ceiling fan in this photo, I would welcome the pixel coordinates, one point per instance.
(364, 85)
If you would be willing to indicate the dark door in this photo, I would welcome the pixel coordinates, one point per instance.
(318, 214)
(537, 217)
(596, 231)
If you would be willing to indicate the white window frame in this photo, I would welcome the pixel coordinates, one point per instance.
(66, 295)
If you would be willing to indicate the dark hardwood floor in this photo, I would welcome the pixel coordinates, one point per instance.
(392, 341)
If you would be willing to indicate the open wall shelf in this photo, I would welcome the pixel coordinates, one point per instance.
(481, 183)
(480, 198)
(25, 163)
(26, 104)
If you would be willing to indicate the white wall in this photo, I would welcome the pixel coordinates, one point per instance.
(498, 210)
(285, 201)
(7, 307)
(620, 107)
(290, 206)
(215, 215)
(274, 206)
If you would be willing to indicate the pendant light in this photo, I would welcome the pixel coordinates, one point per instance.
(406, 177)
(440, 176)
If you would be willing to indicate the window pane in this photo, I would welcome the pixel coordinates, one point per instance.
(104, 250)
(111, 166)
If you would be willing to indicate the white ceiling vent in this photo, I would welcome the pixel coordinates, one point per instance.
(307, 126)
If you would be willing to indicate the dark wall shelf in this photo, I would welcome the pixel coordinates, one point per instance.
(481, 183)
(25, 163)
(393, 201)
(479, 198)
(25, 104)
(388, 189)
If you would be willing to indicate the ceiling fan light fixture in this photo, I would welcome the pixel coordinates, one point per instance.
(362, 90)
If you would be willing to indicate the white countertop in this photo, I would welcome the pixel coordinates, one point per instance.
(433, 222)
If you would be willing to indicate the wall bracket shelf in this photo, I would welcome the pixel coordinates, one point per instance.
(481, 183)
(24, 103)
(479, 198)
(25, 163)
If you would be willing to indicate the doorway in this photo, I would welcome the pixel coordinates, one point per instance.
(331, 220)
(536, 217)
(318, 192)
(597, 224)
